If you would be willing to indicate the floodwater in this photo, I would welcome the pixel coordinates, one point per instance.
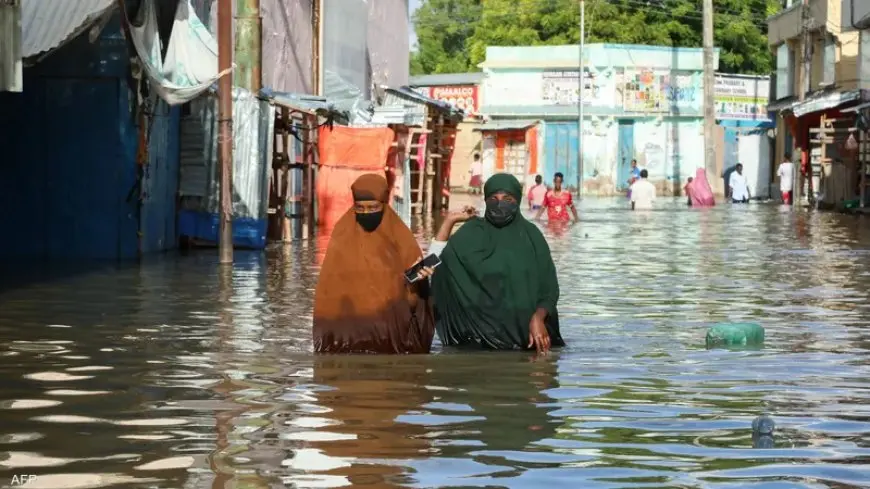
(174, 375)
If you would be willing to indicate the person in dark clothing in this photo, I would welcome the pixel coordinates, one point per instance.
(496, 286)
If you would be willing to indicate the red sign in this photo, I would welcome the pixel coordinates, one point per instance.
(460, 96)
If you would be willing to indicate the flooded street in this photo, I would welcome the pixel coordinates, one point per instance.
(174, 375)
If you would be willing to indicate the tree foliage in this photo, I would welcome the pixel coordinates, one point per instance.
(453, 34)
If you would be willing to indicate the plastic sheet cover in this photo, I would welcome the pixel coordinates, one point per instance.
(365, 43)
(253, 127)
(191, 63)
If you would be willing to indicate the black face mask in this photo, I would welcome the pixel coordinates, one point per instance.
(370, 220)
(501, 212)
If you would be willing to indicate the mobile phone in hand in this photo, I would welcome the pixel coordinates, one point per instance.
(430, 261)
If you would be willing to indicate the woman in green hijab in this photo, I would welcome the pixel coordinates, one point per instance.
(496, 286)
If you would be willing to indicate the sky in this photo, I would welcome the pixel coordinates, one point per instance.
(413, 5)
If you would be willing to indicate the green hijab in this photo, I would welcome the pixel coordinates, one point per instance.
(493, 279)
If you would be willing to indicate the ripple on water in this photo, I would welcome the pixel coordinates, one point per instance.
(29, 404)
(634, 401)
(56, 377)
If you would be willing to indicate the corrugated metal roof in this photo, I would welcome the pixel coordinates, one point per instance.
(409, 95)
(506, 125)
(442, 79)
(47, 24)
(397, 114)
(310, 104)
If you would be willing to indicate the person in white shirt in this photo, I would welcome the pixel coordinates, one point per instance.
(786, 179)
(476, 171)
(643, 192)
(738, 186)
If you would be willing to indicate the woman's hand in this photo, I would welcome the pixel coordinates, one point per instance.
(424, 272)
(463, 215)
(451, 219)
(538, 335)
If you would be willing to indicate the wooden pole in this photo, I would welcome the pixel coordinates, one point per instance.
(803, 87)
(225, 130)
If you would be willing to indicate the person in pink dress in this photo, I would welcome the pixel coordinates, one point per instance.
(699, 190)
(537, 194)
(557, 202)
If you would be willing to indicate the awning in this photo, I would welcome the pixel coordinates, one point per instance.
(817, 102)
(48, 24)
(784, 103)
(825, 102)
(506, 125)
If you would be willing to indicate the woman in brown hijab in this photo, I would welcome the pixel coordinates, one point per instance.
(363, 304)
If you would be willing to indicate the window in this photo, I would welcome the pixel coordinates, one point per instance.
(829, 60)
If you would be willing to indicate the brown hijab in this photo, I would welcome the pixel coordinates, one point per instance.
(362, 303)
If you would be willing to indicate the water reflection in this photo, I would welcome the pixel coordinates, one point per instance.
(178, 373)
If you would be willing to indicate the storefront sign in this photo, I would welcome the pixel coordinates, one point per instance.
(463, 97)
(742, 97)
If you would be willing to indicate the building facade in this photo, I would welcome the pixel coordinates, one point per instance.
(819, 76)
(640, 102)
(461, 90)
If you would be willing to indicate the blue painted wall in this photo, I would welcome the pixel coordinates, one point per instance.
(69, 186)
(160, 181)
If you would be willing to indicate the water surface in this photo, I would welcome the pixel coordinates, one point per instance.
(174, 374)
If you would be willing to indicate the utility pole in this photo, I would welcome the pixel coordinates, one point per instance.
(803, 88)
(709, 99)
(248, 54)
(225, 129)
(581, 74)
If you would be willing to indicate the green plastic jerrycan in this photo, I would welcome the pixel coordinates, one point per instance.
(735, 334)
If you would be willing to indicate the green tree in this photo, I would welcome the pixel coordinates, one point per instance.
(453, 34)
(443, 28)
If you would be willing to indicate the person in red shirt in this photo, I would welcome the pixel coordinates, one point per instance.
(557, 202)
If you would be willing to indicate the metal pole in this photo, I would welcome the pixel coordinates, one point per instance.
(582, 81)
(709, 100)
(248, 54)
(225, 129)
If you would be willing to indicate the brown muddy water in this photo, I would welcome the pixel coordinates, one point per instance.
(170, 374)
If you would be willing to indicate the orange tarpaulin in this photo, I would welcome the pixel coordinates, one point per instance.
(345, 154)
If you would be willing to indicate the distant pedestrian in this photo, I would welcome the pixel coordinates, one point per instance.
(699, 190)
(738, 186)
(687, 191)
(786, 179)
(476, 171)
(537, 194)
(557, 202)
(633, 176)
(643, 192)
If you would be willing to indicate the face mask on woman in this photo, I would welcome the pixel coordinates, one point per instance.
(369, 221)
(501, 212)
